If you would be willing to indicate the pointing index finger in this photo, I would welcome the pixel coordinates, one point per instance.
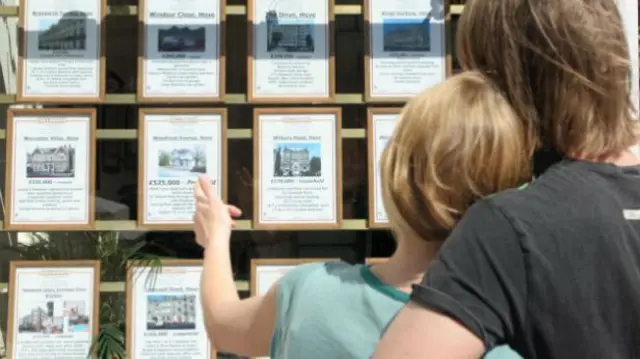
(207, 187)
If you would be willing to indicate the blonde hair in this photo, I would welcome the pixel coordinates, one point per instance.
(454, 143)
(563, 65)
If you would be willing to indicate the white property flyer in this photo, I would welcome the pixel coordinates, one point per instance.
(177, 148)
(53, 312)
(382, 126)
(181, 49)
(62, 49)
(297, 166)
(406, 47)
(166, 318)
(51, 168)
(268, 275)
(291, 49)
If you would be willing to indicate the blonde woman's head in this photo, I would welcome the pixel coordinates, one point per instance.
(454, 143)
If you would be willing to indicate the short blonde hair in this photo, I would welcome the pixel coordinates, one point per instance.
(454, 143)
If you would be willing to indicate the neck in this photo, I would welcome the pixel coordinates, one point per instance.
(408, 263)
(623, 159)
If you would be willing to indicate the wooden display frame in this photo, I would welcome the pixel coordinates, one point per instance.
(366, 7)
(142, 30)
(257, 262)
(335, 111)
(22, 57)
(251, 97)
(375, 260)
(371, 163)
(11, 114)
(129, 295)
(142, 158)
(50, 266)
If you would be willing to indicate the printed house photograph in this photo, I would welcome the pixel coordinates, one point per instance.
(182, 39)
(182, 161)
(75, 313)
(406, 35)
(289, 35)
(297, 159)
(171, 312)
(40, 319)
(66, 33)
(46, 162)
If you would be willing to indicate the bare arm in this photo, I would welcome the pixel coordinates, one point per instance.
(420, 333)
(243, 327)
(473, 295)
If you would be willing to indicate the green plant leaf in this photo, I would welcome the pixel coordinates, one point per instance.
(109, 344)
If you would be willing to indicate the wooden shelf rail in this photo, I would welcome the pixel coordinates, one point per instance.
(241, 225)
(232, 133)
(128, 10)
(119, 287)
(229, 99)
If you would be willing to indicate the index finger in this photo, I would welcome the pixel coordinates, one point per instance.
(204, 183)
(198, 191)
(209, 190)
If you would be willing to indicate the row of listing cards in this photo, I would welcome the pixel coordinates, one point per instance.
(297, 166)
(182, 50)
(54, 307)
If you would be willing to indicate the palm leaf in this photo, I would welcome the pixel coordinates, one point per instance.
(109, 343)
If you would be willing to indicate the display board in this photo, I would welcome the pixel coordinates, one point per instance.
(266, 272)
(629, 12)
(175, 147)
(53, 309)
(62, 51)
(164, 314)
(50, 177)
(381, 123)
(298, 168)
(405, 48)
(181, 46)
(291, 51)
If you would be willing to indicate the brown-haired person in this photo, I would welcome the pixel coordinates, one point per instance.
(553, 269)
(454, 143)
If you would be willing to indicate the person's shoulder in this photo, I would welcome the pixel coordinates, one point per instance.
(556, 192)
(502, 352)
(315, 272)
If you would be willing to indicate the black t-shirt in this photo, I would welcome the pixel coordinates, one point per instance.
(553, 269)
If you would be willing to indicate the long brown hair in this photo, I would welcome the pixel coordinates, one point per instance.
(563, 66)
(454, 143)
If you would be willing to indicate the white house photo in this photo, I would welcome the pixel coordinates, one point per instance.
(182, 161)
(51, 161)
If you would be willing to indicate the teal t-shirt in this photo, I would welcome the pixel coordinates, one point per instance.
(337, 310)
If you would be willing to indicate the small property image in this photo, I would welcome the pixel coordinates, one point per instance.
(289, 35)
(171, 312)
(182, 39)
(75, 313)
(182, 161)
(406, 34)
(68, 32)
(40, 319)
(46, 162)
(297, 159)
